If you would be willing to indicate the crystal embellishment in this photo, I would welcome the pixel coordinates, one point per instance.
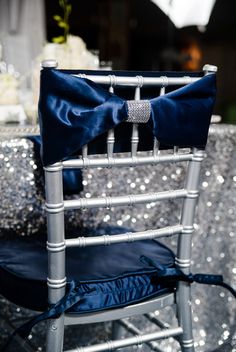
(139, 111)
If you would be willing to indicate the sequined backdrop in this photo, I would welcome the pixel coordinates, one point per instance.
(214, 244)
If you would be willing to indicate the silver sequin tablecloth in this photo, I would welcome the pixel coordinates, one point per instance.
(214, 241)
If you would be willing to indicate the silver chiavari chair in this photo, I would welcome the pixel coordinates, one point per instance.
(117, 273)
(57, 245)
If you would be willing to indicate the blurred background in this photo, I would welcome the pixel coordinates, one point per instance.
(117, 34)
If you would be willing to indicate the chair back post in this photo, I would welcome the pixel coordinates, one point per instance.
(183, 258)
(56, 251)
(188, 211)
(55, 222)
(55, 243)
(189, 205)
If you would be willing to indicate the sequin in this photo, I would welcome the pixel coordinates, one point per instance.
(22, 191)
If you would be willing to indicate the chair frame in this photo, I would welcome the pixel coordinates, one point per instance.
(57, 244)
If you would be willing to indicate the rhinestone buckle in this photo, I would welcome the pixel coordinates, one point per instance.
(139, 111)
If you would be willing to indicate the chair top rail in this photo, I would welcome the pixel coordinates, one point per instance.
(121, 238)
(108, 202)
(162, 81)
(86, 162)
(136, 80)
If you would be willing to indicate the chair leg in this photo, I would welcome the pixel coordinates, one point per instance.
(55, 335)
(116, 330)
(184, 315)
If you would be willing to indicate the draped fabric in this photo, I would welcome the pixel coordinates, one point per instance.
(72, 178)
(74, 111)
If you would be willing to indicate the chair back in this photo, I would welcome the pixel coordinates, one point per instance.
(131, 142)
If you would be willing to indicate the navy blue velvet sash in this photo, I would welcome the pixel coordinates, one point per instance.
(72, 178)
(74, 111)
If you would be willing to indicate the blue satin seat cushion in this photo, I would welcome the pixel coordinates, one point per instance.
(106, 276)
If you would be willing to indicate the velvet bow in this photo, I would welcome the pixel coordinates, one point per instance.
(74, 111)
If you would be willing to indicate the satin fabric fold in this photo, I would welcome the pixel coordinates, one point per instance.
(72, 178)
(182, 117)
(74, 111)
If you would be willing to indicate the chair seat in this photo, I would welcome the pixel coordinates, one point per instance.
(106, 276)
